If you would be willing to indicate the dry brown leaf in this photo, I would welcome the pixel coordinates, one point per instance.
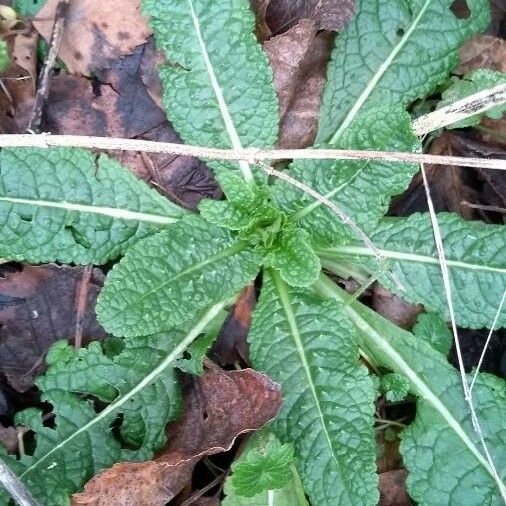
(37, 308)
(393, 308)
(96, 31)
(232, 345)
(482, 51)
(9, 438)
(332, 15)
(219, 406)
(299, 58)
(392, 485)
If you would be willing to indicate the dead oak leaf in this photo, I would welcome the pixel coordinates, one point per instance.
(482, 51)
(299, 58)
(96, 31)
(219, 406)
(37, 308)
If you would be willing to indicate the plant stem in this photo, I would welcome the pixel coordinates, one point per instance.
(250, 155)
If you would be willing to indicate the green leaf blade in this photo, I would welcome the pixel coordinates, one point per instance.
(328, 397)
(60, 204)
(164, 279)
(447, 468)
(361, 189)
(476, 257)
(415, 45)
(218, 88)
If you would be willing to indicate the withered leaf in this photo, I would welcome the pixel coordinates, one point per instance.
(393, 308)
(232, 345)
(37, 308)
(219, 406)
(482, 51)
(96, 31)
(332, 15)
(299, 58)
(393, 492)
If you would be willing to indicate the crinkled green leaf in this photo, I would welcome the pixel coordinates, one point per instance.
(218, 86)
(28, 7)
(395, 386)
(4, 55)
(192, 360)
(139, 383)
(265, 464)
(473, 82)
(393, 52)
(292, 494)
(295, 258)
(441, 450)
(302, 342)
(476, 257)
(433, 329)
(164, 279)
(362, 189)
(67, 205)
(441, 469)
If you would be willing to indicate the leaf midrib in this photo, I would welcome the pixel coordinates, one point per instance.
(327, 287)
(383, 68)
(218, 92)
(294, 332)
(169, 359)
(338, 251)
(111, 212)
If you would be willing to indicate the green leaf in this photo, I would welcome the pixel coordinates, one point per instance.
(292, 494)
(302, 342)
(28, 7)
(473, 82)
(476, 257)
(265, 464)
(218, 88)
(138, 381)
(393, 52)
(433, 329)
(295, 258)
(4, 55)
(164, 279)
(362, 190)
(446, 462)
(64, 204)
(395, 386)
(448, 473)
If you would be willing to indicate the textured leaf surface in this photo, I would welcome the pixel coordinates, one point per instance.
(433, 329)
(138, 381)
(62, 204)
(441, 450)
(473, 82)
(361, 189)
(393, 52)
(476, 255)
(4, 55)
(448, 473)
(395, 386)
(163, 280)
(265, 464)
(301, 342)
(295, 259)
(218, 88)
(265, 461)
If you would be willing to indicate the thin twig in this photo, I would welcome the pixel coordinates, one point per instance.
(494, 209)
(15, 486)
(251, 155)
(462, 109)
(43, 84)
